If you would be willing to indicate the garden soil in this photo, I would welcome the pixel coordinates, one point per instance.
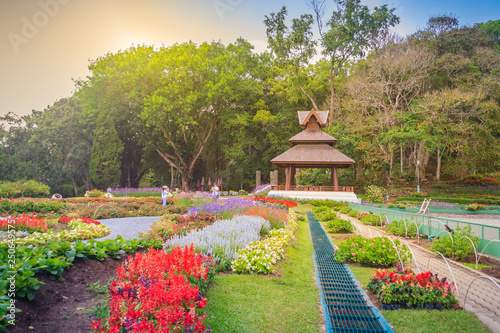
(66, 304)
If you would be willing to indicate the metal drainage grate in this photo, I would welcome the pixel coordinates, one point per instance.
(345, 305)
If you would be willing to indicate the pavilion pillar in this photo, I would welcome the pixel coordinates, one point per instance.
(335, 178)
(290, 175)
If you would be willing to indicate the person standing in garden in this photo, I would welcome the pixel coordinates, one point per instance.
(215, 189)
(164, 195)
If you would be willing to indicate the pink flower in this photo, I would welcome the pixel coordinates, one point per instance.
(383, 245)
(353, 254)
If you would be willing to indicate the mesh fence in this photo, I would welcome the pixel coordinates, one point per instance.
(487, 228)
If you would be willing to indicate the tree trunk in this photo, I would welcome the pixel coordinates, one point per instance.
(184, 184)
(402, 160)
(391, 165)
(438, 168)
(74, 186)
(171, 177)
(359, 168)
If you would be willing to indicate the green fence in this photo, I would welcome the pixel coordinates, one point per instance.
(489, 235)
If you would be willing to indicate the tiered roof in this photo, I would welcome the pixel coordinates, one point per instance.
(313, 148)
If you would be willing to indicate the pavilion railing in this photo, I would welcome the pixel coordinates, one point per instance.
(314, 188)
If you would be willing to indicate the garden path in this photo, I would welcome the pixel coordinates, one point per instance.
(128, 227)
(483, 297)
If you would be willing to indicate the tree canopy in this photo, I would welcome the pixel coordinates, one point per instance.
(174, 114)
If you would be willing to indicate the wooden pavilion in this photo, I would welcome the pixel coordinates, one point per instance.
(312, 148)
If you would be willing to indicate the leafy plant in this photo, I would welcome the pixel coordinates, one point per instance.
(474, 207)
(373, 219)
(402, 228)
(353, 213)
(375, 194)
(455, 245)
(378, 251)
(339, 225)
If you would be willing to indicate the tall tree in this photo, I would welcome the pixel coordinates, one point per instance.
(106, 154)
(195, 86)
(348, 34)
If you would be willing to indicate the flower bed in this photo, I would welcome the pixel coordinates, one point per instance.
(405, 289)
(82, 219)
(23, 223)
(210, 204)
(29, 205)
(176, 224)
(262, 256)
(136, 192)
(402, 206)
(475, 207)
(286, 203)
(223, 238)
(79, 230)
(158, 292)
(277, 217)
(378, 251)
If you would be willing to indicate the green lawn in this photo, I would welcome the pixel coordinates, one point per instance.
(424, 321)
(255, 303)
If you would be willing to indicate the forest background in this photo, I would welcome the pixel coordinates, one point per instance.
(174, 114)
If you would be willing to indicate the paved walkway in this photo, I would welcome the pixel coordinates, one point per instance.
(483, 296)
(128, 227)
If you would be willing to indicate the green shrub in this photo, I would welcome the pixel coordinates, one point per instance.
(458, 248)
(23, 188)
(324, 213)
(327, 203)
(31, 206)
(353, 213)
(95, 194)
(375, 194)
(340, 225)
(373, 219)
(398, 228)
(378, 251)
(345, 210)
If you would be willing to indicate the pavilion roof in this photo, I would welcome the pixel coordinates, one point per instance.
(312, 136)
(313, 156)
(321, 117)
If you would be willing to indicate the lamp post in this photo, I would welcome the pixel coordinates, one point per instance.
(418, 176)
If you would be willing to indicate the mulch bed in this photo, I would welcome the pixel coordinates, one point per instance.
(66, 304)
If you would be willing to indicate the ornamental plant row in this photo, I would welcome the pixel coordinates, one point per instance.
(159, 292)
(223, 238)
(287, 203)
(262, 256)
(23, 223)
(78, 230)
(372, 251)
(405, 289)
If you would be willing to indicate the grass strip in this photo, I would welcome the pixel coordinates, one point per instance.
(259, 303)
(424, 321)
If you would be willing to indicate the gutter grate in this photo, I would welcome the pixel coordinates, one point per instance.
(345, 305)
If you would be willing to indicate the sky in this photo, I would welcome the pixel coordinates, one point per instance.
(45, 45)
